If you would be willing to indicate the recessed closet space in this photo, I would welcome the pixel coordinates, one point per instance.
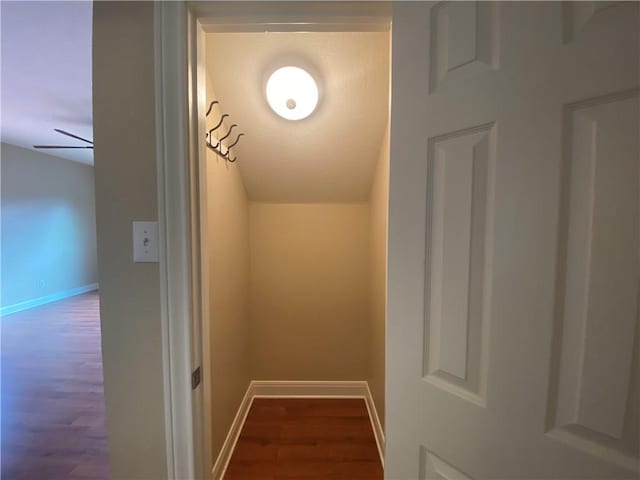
(294, 216)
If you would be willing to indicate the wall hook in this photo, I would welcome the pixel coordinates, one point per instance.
(218, 146)
(228, 156)
(214, 102)
(224, 115)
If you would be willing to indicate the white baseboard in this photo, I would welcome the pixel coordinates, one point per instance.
(378, 431)
(341, 389)
(222, 462)
(54, 297)
(287, 389)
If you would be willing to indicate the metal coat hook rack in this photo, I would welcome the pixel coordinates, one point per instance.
(215, 141)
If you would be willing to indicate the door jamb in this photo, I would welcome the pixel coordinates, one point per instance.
(179, 71)
(176, 284)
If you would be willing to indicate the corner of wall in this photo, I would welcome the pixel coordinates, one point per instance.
(378, 201)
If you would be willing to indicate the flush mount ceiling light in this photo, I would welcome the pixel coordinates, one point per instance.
(292, 93)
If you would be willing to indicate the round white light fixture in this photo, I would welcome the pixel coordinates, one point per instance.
(292, 93)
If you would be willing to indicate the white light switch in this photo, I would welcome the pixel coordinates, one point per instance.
(145, 242)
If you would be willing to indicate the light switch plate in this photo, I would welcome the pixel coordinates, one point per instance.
(145, 242)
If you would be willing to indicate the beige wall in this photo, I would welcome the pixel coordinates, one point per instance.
(125, 180)
(378, 209)
(309, 291)
(322, 334)
(228, 249)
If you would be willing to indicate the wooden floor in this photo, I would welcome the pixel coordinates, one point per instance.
(305, 439)
(52, 393)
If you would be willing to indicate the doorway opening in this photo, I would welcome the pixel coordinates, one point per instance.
(293, 245)
(52, 395)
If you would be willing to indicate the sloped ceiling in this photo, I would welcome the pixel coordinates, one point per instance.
(46, 74)
(329, 156)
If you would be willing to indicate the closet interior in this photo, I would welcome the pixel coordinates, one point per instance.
(295, 213)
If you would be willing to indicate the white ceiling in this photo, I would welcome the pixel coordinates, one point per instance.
(329, 156)
(46, 74)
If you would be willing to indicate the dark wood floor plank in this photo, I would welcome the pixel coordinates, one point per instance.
(306, 439)
(53, 420)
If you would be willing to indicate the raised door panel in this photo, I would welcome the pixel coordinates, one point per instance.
(464, 40)
(596, 345)
(460, 178)
(578, 14)
(433, 467)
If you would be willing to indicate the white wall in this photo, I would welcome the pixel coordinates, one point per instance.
(48, 226)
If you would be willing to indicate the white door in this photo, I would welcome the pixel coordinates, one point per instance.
(514, 241)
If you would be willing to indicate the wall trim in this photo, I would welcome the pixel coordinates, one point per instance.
(54, 297)
(182, 441)
(378, 431)
(303, 388)
(300, 389)
(229, 445)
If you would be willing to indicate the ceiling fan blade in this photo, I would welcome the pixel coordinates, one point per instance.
(72, 135)
(62, 146)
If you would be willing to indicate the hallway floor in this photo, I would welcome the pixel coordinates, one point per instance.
(306, 439)
(53, 422)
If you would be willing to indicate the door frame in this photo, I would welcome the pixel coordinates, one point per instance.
(180, 30)
(176, 287)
